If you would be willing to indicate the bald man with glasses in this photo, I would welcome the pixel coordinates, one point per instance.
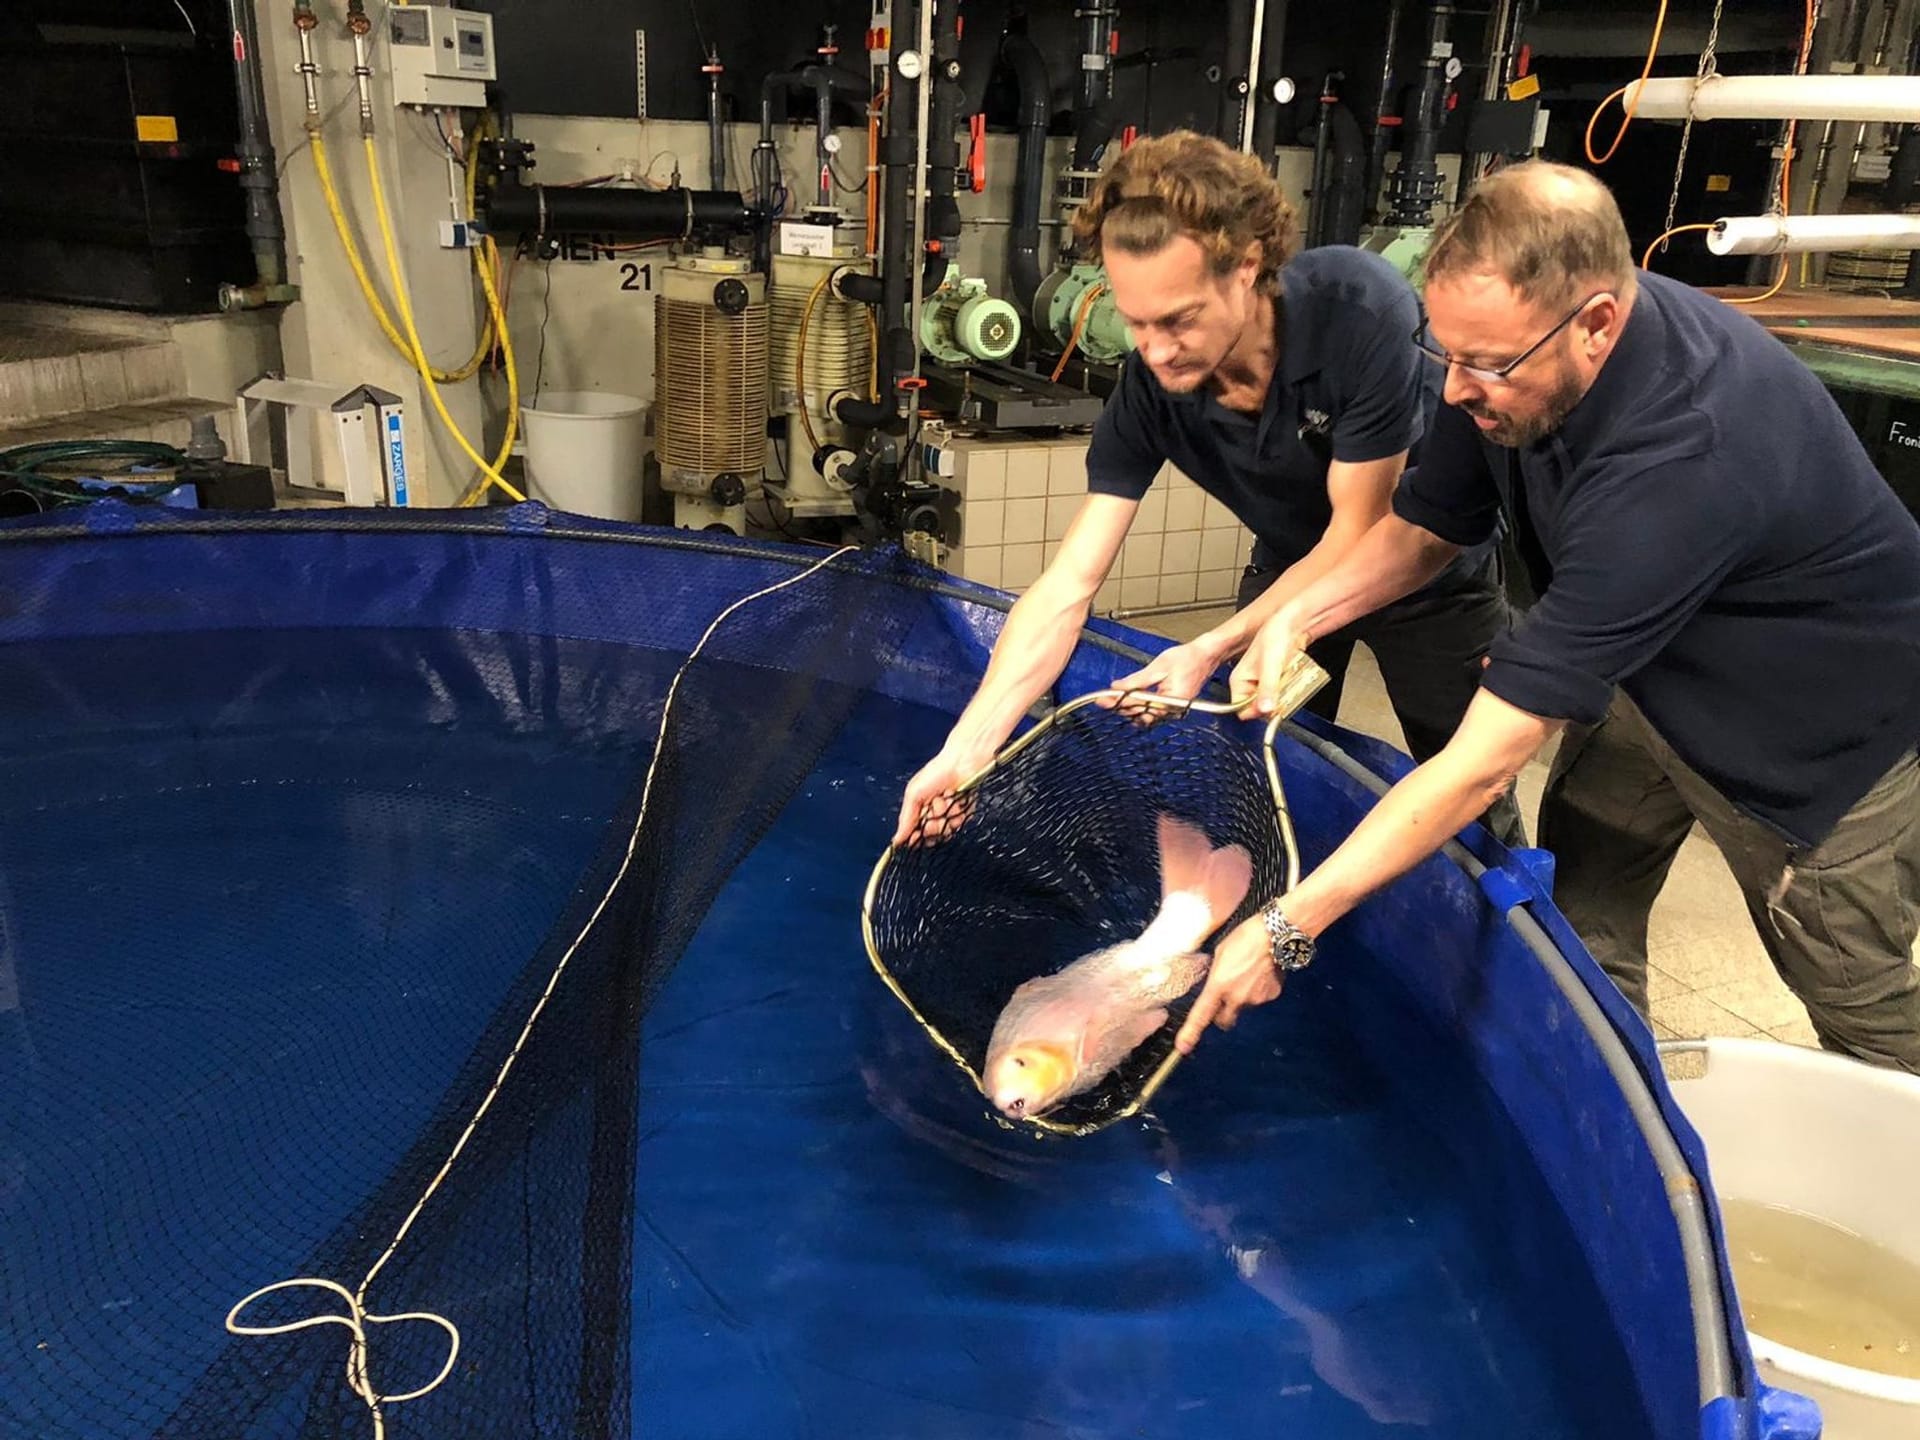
(1727, 623)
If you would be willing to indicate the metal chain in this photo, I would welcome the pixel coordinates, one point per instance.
(1706, 70)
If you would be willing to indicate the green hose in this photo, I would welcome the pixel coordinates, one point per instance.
(23, 467)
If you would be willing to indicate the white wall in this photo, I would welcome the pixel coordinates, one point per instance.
(329, 333)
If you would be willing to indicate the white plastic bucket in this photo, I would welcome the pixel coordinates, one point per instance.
(584, 452)
(1832, 1138)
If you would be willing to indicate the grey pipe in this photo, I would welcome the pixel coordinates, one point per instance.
(259, 181)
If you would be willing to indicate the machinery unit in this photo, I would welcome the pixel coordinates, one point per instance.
(1076, 299)
(838, 359)
(440, 56)
(961, 322)
(710, 381)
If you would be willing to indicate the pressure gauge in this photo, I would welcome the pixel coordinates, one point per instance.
(1454, 67)
(909, 64)
(830, 142)
(1284, 90)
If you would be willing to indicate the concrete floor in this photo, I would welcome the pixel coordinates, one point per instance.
(1710, 975)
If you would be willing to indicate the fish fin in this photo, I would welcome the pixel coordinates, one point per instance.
(1115, 1042)
(1180, 974)
(1190, 865)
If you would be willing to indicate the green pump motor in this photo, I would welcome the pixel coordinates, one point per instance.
(1057, 306)
(960, 322)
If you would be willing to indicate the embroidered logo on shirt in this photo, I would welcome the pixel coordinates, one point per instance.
(1318, 422)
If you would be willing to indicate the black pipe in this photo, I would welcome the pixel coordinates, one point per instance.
(1345, 180)
(266, 233)
(1416, 184)
(944, 161)
(1273, 54)
(979, 44)
(864, 289)
(824, 81)
(643, 214)
(1381, 137)
(1093, 117)
(1030, 173)
(1236, 88)
(716, 127)
(1318, 186)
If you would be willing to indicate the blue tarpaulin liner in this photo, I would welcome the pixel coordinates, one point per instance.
(360, 923)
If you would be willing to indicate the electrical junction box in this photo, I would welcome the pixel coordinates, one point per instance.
(440, 56)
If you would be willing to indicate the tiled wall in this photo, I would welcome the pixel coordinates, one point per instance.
(1015, 501)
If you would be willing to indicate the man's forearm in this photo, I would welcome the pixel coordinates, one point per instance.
(1034, 647)
(1425, 810)
(1346, 583)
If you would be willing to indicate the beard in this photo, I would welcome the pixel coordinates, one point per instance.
(1518, 432)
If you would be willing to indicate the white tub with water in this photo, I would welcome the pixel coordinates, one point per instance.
(1816, 1161)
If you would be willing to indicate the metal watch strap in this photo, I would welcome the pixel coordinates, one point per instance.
(1290, 947)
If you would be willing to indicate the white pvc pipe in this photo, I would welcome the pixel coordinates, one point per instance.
(1779, 97)
(1797, 234)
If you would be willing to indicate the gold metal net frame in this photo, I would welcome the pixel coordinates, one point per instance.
(1049, 853)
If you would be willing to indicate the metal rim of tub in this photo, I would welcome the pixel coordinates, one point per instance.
(1712, 1344)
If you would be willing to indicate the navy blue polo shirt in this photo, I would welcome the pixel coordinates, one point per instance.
(1718, 545)
(1348, 385)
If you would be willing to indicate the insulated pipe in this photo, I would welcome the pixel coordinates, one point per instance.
(1030, 176)
(979, 43)
(1797, 234)
(1779, 97)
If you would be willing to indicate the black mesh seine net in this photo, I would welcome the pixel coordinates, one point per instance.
(1053, 854)
(506, 1208)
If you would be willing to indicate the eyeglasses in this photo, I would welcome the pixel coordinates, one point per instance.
(1424, 344)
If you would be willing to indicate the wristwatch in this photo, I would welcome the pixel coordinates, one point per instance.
(1291, 947)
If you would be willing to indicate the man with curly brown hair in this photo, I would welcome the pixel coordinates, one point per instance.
(1283, 384)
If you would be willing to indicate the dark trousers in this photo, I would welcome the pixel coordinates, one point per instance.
(1429, 647)
(1837, 921)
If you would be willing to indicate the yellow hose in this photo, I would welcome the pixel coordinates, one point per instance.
(374, 303)
(418, 353)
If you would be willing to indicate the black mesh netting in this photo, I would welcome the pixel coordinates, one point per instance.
(1053, 854)
(524, 1240)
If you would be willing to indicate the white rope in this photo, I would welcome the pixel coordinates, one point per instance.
(358, 1319)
